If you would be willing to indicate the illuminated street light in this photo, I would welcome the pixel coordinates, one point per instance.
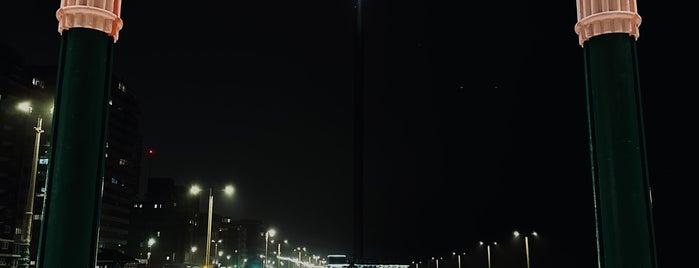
(526, 243)
(26, 237)
(458, 258)
(300, 260)
(488, 249)
(195, 189)
(151, 242)
(228, 190)
(436, 261)
(279, 250)
(269, 233)
(220, 253)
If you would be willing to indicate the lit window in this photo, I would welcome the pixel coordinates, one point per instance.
(115, 181)
(140, 205)
(135, 205)
(158, 234)
(37, 82)
(122, 87)
(123, 162)
(155, 206)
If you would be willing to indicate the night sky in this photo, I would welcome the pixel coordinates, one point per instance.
(475, 123)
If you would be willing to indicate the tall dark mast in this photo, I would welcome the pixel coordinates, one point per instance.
(69, 232)
(358, 130)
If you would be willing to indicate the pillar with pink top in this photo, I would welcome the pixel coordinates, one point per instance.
(70, 225)
(607, 31)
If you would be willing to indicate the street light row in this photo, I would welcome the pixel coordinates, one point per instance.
(229, 190)
(487, 244)
(194, 190)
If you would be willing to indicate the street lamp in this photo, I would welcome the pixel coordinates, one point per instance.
(220, 253)
(31, 189)
(279, 251)
(299, 249)
(526, 243)
(269, 233)
(195, 189)
(151, 241)
(417, 264)
(436, 261)
(237, 259)
(488, 249)
(458, 258)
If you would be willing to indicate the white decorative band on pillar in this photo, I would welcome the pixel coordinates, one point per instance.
(101, 15)
(597, 17)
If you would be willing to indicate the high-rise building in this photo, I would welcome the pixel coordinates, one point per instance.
(122, 166)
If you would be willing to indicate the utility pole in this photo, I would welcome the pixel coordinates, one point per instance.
(607, 31)
(71, 219)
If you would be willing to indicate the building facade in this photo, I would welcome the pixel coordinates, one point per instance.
(122, 166)
(167, 217)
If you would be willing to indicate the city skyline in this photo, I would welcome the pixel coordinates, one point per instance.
(475, 126)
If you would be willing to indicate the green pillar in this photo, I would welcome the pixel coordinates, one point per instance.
(622, 197)
(70, 225)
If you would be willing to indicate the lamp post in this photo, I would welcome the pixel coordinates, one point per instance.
(193, 250)
(196, 190)
(279, 251)
(237, 259)
(216, 249)
(269, 233)
(526, 243)
(220, 254)
(436, 261)
(487, 245)
(31, 188)
(458, 258)
(299, 249)
(417, 264)
(151, 241)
